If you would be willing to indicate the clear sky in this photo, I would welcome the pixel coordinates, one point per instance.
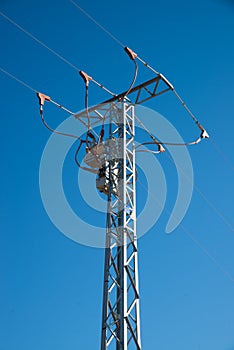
(51, 287)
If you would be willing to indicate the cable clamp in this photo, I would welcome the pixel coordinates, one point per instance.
(161, 148)
(132, 55)
(42, 98)
(85, 77)
(204, 133)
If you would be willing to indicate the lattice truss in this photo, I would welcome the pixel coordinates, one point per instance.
(121, 319)
(111, 155)
(120, 324)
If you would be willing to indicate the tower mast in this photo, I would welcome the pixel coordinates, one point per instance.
(117, 179)
(114, 162)
(121, 317)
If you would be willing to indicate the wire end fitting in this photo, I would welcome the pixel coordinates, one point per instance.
(161, 148)
(204, 133)
(42, 98)
(132, 55)
(85, 77)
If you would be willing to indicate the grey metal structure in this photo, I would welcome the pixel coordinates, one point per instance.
(121, 317)
(113, 160)
(121, 309)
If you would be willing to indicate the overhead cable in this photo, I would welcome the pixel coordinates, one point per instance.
(50, 49)
(204, 134)
(191, 236)
(97, 23)
(18, 80)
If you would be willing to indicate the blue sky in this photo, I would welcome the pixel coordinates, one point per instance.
(51, 287)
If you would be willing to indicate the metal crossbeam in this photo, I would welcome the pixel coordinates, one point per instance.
(144, 91)
(139, 94)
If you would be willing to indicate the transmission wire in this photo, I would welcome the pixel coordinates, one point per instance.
(38, 41)
(215, 146)
(73, 66)
(51, 50)
(97, 23)
(188, 233)
(200, 192)
(220, 152)
(18, 80)
(210, 204)
(178, 97)
(191, 236)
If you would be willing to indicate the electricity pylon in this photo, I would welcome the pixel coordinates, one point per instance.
(121, 309)
(113, 159)
(121, 315)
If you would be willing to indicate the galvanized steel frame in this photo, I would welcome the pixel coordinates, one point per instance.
(121, 306)
(121, 315)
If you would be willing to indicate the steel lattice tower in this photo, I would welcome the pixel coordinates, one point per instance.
(113, 160)
(121, 311)
(120, 320)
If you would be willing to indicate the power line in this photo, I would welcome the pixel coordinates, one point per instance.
(208, 202)
(215, 146)
(140, 59)
(51, 50)
(17, 79)
(126, 260)
(97, 23)
(131, 54)
(10, 75)
(38, 41)
(191, 236)
(211, 205)
(208, 254)
(220, 152)
(200, 192)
